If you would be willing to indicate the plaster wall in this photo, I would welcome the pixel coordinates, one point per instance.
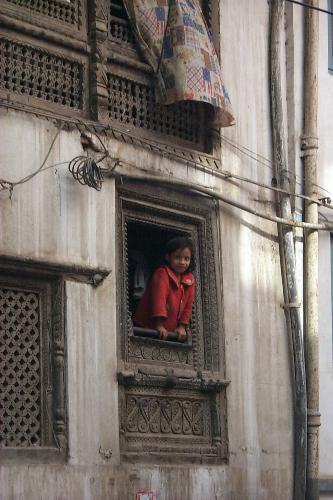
(52, 217)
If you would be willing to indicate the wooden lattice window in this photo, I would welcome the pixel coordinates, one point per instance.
(131, 92)
(119, 26)
(134, 103)
(65, 16)
(64, 10)
(166, 407)
(36, 74)
(32, 374)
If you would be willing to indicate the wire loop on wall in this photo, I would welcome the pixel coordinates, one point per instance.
(85, 170)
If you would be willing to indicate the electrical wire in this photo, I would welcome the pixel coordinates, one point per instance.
(85, 170)
(181, 184)
(159, 148)
(5, 184)
(228, 175)
(243, 149)
(246, 151)
(306, 5)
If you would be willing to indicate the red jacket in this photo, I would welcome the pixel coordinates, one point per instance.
(165, 297)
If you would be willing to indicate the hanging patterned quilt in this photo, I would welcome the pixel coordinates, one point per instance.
(175, 41)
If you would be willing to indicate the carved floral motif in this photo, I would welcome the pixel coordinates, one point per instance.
(164, 415)
(156, 353)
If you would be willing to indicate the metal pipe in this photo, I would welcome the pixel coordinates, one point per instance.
(309, 146)
(287, 251)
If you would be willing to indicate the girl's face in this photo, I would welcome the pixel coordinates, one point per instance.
(179, 260)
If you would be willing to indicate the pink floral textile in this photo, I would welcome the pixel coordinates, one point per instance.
(175, 41)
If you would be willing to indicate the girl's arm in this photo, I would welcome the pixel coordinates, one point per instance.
(187, 311)
(159, 295)
(186, 314)
(159, 290)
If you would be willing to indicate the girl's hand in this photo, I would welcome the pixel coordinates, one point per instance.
(181, 333)
(163, 332)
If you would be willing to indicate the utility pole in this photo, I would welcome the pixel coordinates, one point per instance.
(309, 147)
(287, 250)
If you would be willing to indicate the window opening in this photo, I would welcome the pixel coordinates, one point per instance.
(146, 246)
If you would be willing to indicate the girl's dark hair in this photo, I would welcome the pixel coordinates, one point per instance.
(179, 243)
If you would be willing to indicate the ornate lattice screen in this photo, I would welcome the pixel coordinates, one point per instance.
(119, 26)
(134, 103)
(31, 336)
(20, 374)
(30, 71)
(68, 12)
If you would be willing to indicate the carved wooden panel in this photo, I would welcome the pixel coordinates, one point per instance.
(32, 367)
(141, 349)
(159, 414)
(33, 72)
(98, 58)
(161, 422)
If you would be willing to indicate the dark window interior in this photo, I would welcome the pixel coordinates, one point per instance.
(146, 249)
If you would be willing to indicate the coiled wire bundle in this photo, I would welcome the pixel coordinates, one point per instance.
(85, 170)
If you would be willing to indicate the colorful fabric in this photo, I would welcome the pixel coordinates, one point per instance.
(166, 298)
(176, 42)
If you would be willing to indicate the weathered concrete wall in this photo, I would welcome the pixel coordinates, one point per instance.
(53, 217)
(262, 433)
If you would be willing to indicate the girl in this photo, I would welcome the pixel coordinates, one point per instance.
(166, 304)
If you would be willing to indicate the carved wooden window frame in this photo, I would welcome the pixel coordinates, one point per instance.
(170, 372)
(53, 399)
